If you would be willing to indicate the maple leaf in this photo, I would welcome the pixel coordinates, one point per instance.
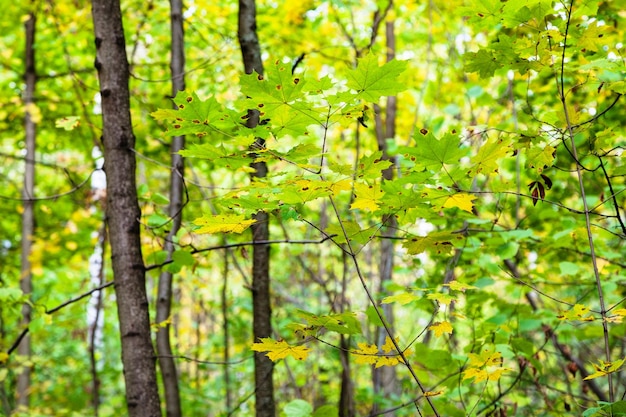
(488, 156)
(483, 62)
(277, 350)
(195, 116)
(401, 299)
(540, 158)
(460, 200)
(372, 81)
(442, 298)
(433, 153)
(478, 374)
(367, 197)
(579, 312)
(441, 242)
(440, 328)
(605, 368)
(388, 346)
(487, 357)
(68, 123)
(459, 286)
(366, 354)
(222, 223)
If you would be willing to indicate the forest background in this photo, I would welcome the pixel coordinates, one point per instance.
(384, 208)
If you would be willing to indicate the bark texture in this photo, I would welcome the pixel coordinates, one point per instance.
(385, 380)
(164, 296)
(28, 215)
(122, 210)
(262, 310)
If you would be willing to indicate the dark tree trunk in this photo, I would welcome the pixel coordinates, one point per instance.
(385, 380)
(262, 311)
(28, 215)
(122, 211)
(164, 297)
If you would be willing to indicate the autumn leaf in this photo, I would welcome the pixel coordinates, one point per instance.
(68, 122)
(460, 200)
(605, 368)
(277, 350)
(367, 197)
(222, 223)
(579, 312)
(402, 299)
(459, 286)
(440, 328)
(486, 357)
(442, 298)
(366, 354)
(370, 354)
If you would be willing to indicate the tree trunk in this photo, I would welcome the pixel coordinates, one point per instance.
(28, 215)
(164, 297)
(262, 311)
(385, 380)
(122, 211)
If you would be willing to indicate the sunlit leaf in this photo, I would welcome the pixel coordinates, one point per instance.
(579, 312)
(277, 350)
(222, 223)
(372, 81)
(441, 328)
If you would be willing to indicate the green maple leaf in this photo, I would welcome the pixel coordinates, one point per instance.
(195, 116)
(488, 156)
(483, 62)
(372, 81)
(303, 190)
(222, 223)
(440, 242)
(280, 98)
(354, 231)
(370, 167)
(219, 155)
(433, 153)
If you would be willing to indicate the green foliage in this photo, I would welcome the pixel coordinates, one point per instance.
(493, 293)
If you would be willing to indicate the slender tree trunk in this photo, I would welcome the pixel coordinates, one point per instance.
(95, 315)
(164, 297)
(385, 379)
(122, 211)
(261, 305)
(226, 328)
(28, 215)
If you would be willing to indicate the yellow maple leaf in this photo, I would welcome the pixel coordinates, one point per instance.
(366, 354)
(459, 286)
(222, 223)
(367, 197)
(388, 346)
(387, 361)
(277, 350)
(487, 357)
(605, 368)
(496, 373)
(578, 312)
(478, 374)
(440, 328)
(433, 393)
(460, 200)
(401, 299)
(442, 298)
